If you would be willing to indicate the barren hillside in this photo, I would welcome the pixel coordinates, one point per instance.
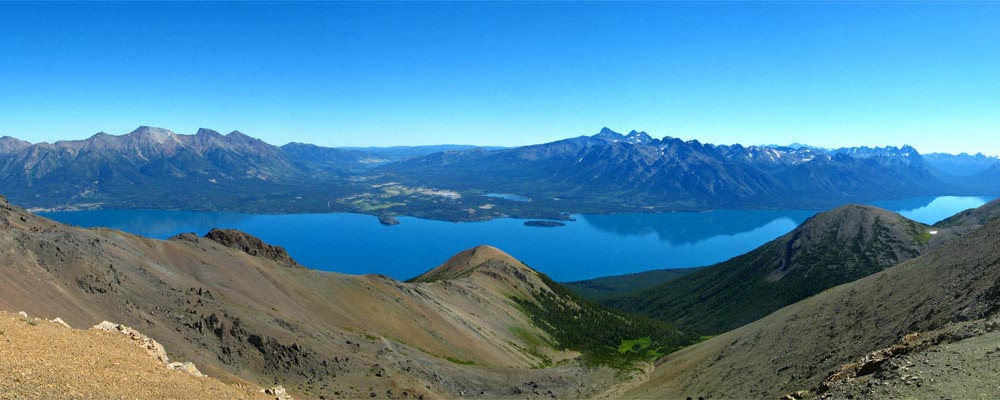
(258, 317)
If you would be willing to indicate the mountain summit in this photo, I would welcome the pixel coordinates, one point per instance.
(638, 138)
(607, 133)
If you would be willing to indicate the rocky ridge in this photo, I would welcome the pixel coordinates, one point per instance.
(252, 245)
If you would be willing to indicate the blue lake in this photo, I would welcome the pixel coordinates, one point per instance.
(508, 196)
(591, 246)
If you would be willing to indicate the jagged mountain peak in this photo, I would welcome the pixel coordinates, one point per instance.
(237, 137)
(638, 137)
(158, 135)
(607, 133)
(10, 144)
(869, 152)
(207, 132)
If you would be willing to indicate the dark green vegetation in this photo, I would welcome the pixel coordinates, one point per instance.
(601, 289)
(924, 328)
(829, 249)
(607, 172)
(604, 336)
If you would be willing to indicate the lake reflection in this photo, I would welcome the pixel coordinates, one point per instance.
(592, 246)
(681, 228)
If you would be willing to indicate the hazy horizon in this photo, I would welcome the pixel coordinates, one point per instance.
(507, 74)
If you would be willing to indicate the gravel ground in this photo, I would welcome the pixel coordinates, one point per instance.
(44, 360)
(965, 369)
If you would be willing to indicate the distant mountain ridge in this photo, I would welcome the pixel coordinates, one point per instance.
(962, 164)
(607, 172)
(153, 167)
(637, 172)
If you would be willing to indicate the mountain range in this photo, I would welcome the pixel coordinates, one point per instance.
(607, 172)
(634, 172)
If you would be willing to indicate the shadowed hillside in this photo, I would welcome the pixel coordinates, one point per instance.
(830, 248)
(609, 287)
(866, 339)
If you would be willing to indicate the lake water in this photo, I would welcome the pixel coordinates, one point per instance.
(591, 246)
(508, 196)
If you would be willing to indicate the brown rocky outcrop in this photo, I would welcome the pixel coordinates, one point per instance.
(252, 245)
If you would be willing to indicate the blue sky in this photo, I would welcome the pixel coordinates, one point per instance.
(345, 74)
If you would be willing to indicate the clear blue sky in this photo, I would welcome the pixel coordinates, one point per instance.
(828, 74)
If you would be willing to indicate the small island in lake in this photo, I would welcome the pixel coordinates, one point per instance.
(544, 224)
(388, 220)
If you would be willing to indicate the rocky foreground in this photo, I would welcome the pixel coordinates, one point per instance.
(42, 359)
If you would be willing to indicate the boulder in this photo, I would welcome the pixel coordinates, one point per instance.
(152, 347)
(59, 321)
(186, 367)
(278, 392)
